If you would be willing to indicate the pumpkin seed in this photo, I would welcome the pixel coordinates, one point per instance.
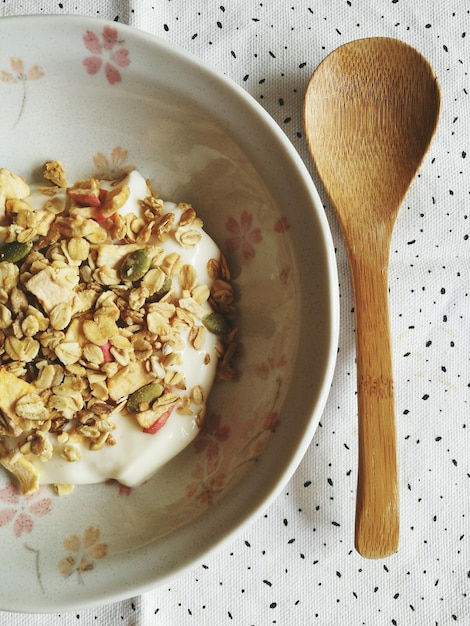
(216, 323)
(141, 399)
(136, 265)
(15, 251)
(165, 288)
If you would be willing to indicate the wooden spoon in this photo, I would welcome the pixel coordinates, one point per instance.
(370, 112)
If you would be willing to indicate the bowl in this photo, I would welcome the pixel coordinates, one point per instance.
(103, 98)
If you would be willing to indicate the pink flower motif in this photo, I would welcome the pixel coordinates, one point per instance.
(282, 225)
(112, 74)
(271, 364)
(114, 166)
(214, 430)
(83, 552)
(206, 487)
(205, 443)
(210, 440)
(102, 47)
(271, 421)
(244, 236)
(22, 509)
(121, 57)
(19, 74)
(109, 37)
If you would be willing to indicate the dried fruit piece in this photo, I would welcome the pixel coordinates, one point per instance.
(13, 389)
(12, 185)
(128, 379)
(159, 422)
(113, 200)
(27, 475)
(85, 193)
(54, 171)
(63, 489)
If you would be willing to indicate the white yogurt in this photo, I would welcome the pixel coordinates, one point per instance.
(137, 455)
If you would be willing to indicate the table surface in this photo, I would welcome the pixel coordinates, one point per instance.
(296, 564)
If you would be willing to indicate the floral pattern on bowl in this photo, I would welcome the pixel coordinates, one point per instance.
(18, 75)
(107, 51)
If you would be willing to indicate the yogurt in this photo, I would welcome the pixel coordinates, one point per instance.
(185, 363)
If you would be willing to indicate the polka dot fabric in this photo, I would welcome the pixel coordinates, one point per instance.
(296, 564)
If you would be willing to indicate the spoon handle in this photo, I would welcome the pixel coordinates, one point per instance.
(377, 516)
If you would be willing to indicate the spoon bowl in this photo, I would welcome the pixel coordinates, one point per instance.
(370, 112)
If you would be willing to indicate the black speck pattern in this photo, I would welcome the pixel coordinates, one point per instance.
(296, 564)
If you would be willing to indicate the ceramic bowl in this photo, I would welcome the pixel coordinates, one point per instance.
(103, 97)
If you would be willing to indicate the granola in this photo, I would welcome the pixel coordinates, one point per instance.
(106, 327)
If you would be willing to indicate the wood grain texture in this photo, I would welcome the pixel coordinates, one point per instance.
(371, 110)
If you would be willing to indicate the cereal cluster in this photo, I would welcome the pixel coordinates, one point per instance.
(94, 315)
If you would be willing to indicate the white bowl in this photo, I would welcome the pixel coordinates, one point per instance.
(101, 96)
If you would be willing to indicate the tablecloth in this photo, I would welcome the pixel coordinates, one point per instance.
(296, 565)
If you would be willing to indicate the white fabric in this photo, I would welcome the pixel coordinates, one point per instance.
(296, 565)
